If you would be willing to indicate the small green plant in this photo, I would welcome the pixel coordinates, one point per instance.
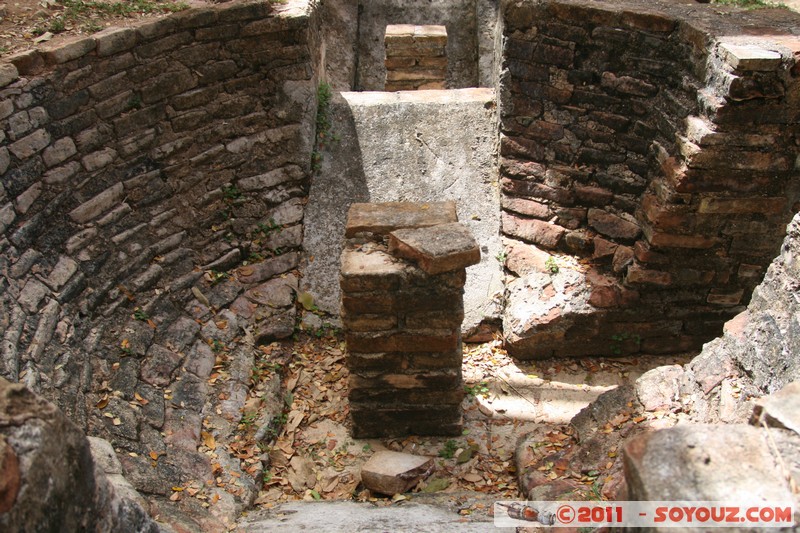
(481, 389)
(135, 102)
(449, 449)
(269, 227)
(248, 420)
(366, 448)
(266, 476)
(501, 257)
(91, 27)
(140, 314)
(57, 25)
(620, 338)
(231, 193)
(216, 346)
(551, 265)
(214, 276)
(323, 124)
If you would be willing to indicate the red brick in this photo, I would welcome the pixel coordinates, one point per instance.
(435, 319)
(402, 342)
(532, 189)
(436, 249)
(595, 196)
(369, 322)
(753, 205)
(623, 257)
(639, 276)
(725, 297)
(612, 225)
(523, 206)
(669, 240)
(386, 217)
(603, 248)
(434, 380)
(643, 254)
(532, 230)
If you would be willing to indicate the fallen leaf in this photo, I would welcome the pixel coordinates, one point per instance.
(436, 484)
(116, 422)
(472, 478)
(176, 496)
(246, 271)
(140, 399)
(306, 299)
(153, 456)
(102, 403)
(208, 440)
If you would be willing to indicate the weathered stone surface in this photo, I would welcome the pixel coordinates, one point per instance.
(49, 471)
(436, 249)
(659, 389)
(388, 472)
(703, 463)
(749, 57)
(780, 409)
(612, 225)
(389, 216)
(98, 205)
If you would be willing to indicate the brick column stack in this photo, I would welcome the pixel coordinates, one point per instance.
(415, 57)
(402, 279)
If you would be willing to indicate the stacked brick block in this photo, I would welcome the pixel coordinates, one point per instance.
(416, 57)
(662, 160)
(402, 279)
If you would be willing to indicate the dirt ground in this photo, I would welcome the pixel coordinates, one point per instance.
(25, 24)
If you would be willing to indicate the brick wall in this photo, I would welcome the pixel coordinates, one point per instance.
(402, 308)
(416, 57)
(152, 178)
(659, 154)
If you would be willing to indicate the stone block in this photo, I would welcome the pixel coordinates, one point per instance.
(389, 472)
(750, 57)
(99, 204)
(532, 230)
(612, 225)
(31, 144)
(641, 276)
(386, 217)
(114, 40)
(436, 249)
(780, 409)
(755, 205)
(369, 270)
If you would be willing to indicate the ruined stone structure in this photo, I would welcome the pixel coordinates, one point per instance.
(402, 308)
(637, 140)
(155, 182)
(416, 57)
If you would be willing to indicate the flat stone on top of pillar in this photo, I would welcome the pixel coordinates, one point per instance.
(386, 217)
(436, 249)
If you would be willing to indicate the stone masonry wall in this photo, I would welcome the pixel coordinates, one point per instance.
(402, 309)
(660, 156)
(153, 184)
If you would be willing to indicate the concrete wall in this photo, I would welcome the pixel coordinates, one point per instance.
(151, 176)
(635, 138)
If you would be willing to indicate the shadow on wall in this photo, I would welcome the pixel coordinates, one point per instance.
(338, 182)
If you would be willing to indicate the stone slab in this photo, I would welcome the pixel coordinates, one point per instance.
(750, 57)
(389, 472)
(436, 249)
(781, 409)
(346, 517)
(382, 218)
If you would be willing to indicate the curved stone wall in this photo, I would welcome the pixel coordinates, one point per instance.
(657, 144)
(153, 183)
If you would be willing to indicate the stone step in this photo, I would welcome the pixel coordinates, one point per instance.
(438, 512)
(418, 146)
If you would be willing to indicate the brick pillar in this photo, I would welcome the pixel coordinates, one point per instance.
(416, 57)
(402, 280)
